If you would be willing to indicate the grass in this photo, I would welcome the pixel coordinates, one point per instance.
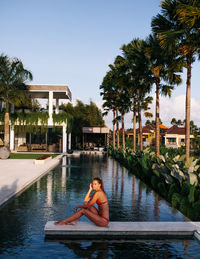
(28, 156)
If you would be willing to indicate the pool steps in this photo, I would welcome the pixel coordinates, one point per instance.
(124, 230)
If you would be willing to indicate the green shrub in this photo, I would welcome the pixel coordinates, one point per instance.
(154, 182)
(162, 189)
(191, 194)
(196, 210)
(184, 206)
(185, 190)
(172, 190)
(176, 199)
(197, 195)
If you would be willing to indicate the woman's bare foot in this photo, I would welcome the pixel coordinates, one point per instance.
(63, 222)
(73, 223)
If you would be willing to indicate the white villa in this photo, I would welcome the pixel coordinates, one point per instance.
(23, 141)
(175, 137)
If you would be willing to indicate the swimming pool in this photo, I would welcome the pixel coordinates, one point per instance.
(55, 195)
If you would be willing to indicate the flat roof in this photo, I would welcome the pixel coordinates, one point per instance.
(42, 91)
(95, 130)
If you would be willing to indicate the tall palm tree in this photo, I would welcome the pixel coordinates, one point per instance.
(123, 100)
(175, 35)
(109, 96)
(13, 88)
(164, 69)
(139, 77)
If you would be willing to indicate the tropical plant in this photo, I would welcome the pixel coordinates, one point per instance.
(182, 38)
(13, 88)
(164, 69)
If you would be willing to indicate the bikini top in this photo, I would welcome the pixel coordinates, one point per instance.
(100, 203)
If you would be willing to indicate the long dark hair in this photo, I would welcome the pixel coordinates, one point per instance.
(100, 181)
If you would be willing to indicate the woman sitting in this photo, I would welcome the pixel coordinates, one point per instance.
(99, 216)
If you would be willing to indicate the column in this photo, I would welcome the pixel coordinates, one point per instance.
(64, 140)
(69, 141)
(50, 103)
(12, 137)
(57, 105)
(177, 141)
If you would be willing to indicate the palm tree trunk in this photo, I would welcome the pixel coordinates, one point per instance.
(134, 128)
(123, 132)
(6, 127)
(117, 129)
(157, 119)
(187, 108)
(140, 120)
(113, 129)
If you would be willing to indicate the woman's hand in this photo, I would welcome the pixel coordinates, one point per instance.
(91, 187)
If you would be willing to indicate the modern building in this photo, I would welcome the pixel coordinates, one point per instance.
(51, 119)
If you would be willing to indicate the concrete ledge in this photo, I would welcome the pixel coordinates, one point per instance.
(197, 235)
(16, 175)
(122, 230)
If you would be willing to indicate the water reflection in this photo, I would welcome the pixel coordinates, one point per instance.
(55, 195)
(97, 249)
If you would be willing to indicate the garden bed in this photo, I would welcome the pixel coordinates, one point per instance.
(173, 179)
(42, 159)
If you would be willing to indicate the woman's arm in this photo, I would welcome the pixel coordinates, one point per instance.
(87, 196)
(89, 204)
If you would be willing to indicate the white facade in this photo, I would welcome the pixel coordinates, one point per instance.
(50, 92)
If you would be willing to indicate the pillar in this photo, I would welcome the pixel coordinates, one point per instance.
(69, 141)
(12, 137)
(177, 141)
(64, 142)
(50, 103)
(57, 106)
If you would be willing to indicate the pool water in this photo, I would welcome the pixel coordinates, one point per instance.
(55, 195)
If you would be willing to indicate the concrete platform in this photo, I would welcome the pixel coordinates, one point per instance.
(123, 230)
(16, 175)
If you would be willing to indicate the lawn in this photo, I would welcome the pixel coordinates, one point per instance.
(28, 156)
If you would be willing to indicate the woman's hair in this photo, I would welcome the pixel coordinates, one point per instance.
(100, 181)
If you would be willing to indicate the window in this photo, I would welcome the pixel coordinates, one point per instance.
(171, 140)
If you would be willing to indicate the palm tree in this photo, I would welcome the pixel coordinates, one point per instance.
(123, 100)
(178, 36)
(109, 97)
(139, 77)
(189, 14)
(164, 69)
(13, 88)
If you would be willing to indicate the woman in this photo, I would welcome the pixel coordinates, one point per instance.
(101, 216)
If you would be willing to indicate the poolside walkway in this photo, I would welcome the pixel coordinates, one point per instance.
(18, 174)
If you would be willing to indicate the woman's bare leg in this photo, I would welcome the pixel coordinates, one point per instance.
(74, 221)
(94, 217)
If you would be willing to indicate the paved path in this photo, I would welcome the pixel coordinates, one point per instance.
(123, 230)
(18, 174)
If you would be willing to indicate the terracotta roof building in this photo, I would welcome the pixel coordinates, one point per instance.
(175, 137)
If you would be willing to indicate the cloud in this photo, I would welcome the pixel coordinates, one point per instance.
(169, 108)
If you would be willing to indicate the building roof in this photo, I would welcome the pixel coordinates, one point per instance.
(176, 130)
(95, 130)
(149, 128)
(42, 91)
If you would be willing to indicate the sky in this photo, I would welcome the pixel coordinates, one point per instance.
(73, 41)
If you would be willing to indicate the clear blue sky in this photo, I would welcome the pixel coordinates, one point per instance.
(73, 41)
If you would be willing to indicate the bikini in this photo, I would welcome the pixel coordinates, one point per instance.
(99, 203)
